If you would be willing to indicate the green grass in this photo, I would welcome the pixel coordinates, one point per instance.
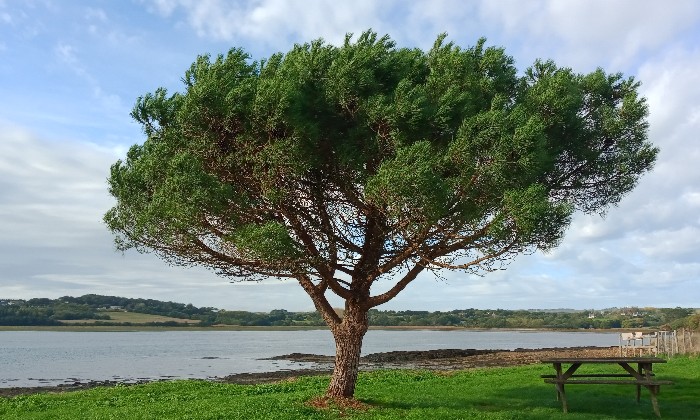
(496, 393)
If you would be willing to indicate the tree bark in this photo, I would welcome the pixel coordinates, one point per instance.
(348, 337)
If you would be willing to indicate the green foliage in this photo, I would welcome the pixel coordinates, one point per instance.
(411, 184)
(24, 315)
(691, 322)
(44, 311)
(326, 158)
(502, 318)
(268, 242)
(503, 393)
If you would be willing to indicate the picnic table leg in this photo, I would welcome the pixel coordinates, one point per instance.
(562, 397)
(645, 371)
(654, 390)
(557, 368)
(639, 393)
(640, 369)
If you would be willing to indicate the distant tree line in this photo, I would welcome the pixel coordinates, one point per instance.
(44, 311)
(143, 306)
(502, 318)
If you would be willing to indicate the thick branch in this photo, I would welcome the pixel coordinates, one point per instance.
(398, 287)
(319, 299)
(374, 237)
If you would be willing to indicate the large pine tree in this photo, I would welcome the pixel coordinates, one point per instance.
(339, 166)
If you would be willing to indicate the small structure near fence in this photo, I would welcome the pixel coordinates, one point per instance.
(669, 343)
(638, 344)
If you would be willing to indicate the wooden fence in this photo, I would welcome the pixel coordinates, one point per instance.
(675, 342)
(668, 343)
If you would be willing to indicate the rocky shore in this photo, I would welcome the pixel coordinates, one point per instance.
(439, 360)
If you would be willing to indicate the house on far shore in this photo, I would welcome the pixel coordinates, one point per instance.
(114, 308)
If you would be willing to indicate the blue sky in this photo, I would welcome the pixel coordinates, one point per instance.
(71, 70)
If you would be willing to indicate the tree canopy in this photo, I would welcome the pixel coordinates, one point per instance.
(341, 165)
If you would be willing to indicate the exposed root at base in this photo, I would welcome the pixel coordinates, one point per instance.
(338, 403)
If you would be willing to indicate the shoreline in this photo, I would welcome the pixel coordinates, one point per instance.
(137, 328)
(435, 360)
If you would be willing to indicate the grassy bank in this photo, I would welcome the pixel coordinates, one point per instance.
(496, 393)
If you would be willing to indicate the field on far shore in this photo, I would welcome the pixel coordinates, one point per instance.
(131, 317)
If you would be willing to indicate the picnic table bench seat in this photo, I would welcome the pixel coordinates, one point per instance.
(595, 375)
(637, 382)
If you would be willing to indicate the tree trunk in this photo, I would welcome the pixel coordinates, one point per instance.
(348, 337)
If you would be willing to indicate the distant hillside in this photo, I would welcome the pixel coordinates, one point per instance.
(113, 310)
(121, 317)
(97, 309)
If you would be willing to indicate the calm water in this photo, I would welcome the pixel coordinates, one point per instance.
(36, 358)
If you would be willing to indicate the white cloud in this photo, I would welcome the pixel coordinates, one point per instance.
(50, 191)
(666, 198)
(578, 33)
(590, 33)
(164, 7)
(692, 199)
(19, 17)
(96, 18)
(96, 14)
(273, 22)
(676, 246)
(67, 54)
(671, 85)
(53, 242)
(102, 29)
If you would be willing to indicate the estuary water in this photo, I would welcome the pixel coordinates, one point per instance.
(48, 358)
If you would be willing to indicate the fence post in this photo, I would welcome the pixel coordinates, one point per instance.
(675, 340)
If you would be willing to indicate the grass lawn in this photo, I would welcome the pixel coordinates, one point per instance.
(494, 393)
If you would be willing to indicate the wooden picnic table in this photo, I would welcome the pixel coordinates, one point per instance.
(641, 376)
